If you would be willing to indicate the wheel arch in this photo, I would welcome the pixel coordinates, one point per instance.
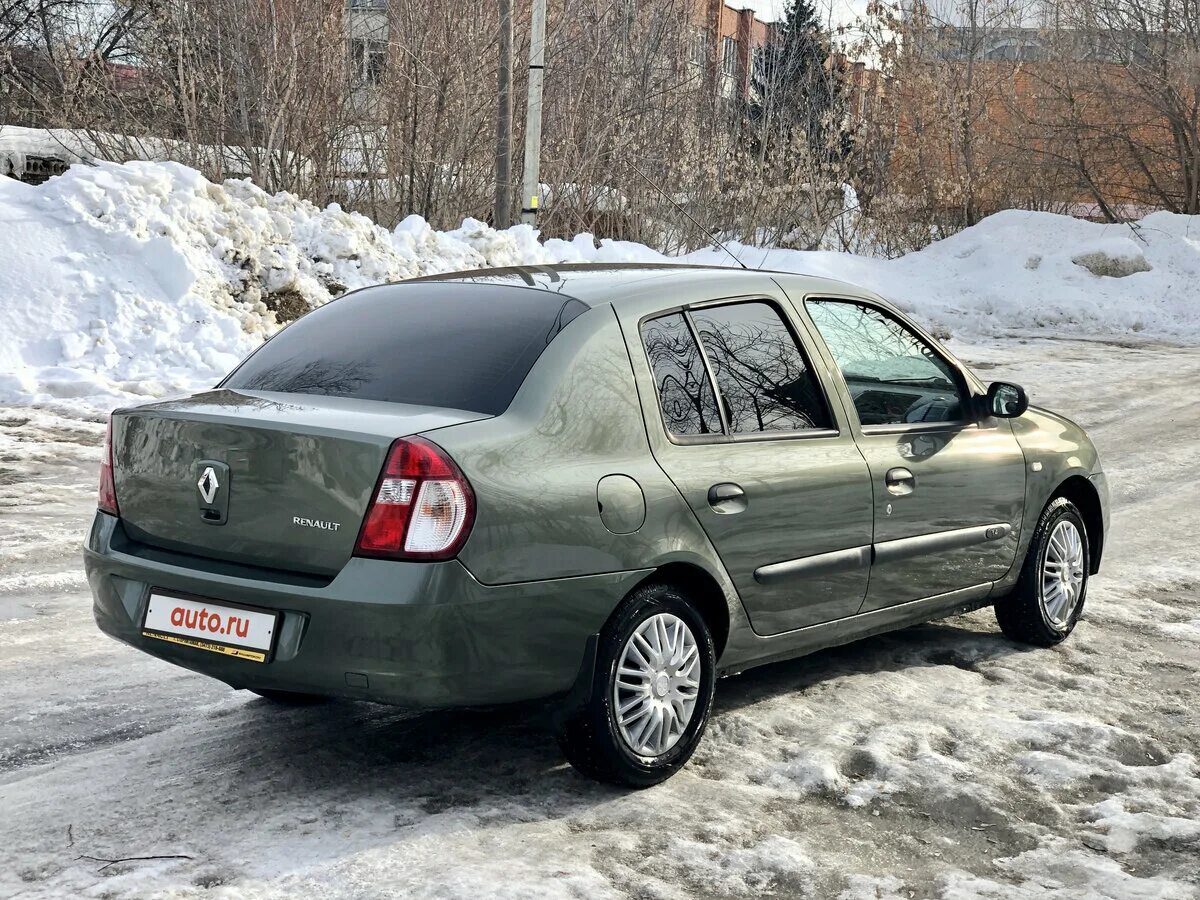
(704, 591)
(1081, 492)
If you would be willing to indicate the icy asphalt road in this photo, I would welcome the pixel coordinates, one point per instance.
(942, 761)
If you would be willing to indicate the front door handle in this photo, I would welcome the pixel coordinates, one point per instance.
(900, 482)
(727, 497)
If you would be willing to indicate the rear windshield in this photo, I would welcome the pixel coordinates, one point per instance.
(459, 346)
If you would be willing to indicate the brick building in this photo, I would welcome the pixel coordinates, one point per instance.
(727, 42)
(730, 43)
(1059, 118)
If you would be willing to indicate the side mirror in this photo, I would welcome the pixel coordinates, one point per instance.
(1006, 400)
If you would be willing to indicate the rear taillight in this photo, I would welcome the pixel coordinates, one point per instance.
(422, 508)
(107, 500)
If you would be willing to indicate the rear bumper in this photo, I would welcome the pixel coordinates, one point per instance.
(422, 635)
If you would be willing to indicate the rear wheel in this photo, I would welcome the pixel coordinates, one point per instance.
(651, 694)
(1048, 599)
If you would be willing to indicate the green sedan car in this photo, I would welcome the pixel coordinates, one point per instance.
(602, 485)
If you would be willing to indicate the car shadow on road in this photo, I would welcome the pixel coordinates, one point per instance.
(948, 642)
(471, 758)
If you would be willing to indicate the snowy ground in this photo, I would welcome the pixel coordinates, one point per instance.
(941, 761)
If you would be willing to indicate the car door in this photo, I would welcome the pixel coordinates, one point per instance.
(742, 424)
(948, 487)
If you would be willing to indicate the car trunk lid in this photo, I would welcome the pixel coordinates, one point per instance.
(278, 480)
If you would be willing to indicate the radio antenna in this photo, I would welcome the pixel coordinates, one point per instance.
(688, 215)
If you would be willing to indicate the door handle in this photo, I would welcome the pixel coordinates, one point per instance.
(727, 497)
(900, 482)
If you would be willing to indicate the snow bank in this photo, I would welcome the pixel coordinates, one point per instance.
(1023, 272)
(123, 281)
(146, 278)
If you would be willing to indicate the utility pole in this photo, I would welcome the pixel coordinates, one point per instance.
(503, 211)
(533, 115)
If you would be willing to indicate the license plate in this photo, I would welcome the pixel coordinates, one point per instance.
(217, 627)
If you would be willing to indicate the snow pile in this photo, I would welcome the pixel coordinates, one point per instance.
(1038, 271)
(146, 278)
(1023, 272)
(122, 281)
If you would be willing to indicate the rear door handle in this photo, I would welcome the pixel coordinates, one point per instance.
(900, 482)
(727, 497)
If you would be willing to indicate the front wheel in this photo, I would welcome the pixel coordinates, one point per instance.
(651, 693)
(1048, 599)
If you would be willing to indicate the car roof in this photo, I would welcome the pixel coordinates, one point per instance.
(619, 283)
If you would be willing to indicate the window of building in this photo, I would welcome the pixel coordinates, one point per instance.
(368, 58)
(699, 46)
(758, 62)
(729, 56)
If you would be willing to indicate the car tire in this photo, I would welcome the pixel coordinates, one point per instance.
(1049, 596)
(667, 702)
(289, 698)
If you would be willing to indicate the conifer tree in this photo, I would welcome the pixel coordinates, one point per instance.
(798, 81)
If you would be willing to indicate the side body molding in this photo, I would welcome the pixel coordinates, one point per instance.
(820, 564)
(884, 552)
(920, 545)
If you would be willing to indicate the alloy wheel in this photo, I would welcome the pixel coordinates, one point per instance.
(1063, 573)
(657, 683)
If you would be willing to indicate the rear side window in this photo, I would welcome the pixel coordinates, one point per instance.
(458, 346)
(745, 354)
(685, 394)
(760, 372)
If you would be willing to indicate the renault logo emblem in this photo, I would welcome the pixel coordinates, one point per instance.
(212, 484)
(208, 485)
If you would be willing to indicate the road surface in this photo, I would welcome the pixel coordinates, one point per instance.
(941, 761)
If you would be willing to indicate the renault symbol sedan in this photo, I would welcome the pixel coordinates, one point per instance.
(603, 486)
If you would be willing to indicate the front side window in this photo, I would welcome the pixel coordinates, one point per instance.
(761, 374)
(685, 394)
(894, 376)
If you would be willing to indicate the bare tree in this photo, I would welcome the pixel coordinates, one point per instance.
(387, 108)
